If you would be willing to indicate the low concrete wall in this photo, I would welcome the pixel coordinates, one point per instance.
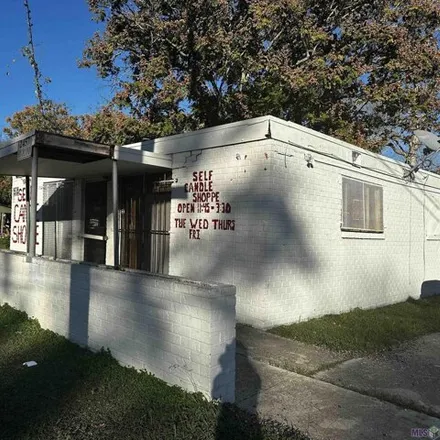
(182, 331)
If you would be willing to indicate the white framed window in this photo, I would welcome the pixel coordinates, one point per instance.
(362, 206)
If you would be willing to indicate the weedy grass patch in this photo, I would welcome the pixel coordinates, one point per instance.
(75, 394)
(370, 330)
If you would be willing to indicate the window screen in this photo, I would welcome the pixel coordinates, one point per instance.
(362, 207)
(57, 219)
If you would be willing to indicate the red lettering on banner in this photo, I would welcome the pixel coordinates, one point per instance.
(19, 212)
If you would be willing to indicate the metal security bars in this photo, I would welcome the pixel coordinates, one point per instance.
(362, 207)
(57, 219)
(160, 227)
(145, 203)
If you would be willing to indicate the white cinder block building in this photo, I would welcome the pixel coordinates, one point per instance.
(301, 223)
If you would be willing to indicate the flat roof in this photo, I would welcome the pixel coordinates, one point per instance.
(266, 128)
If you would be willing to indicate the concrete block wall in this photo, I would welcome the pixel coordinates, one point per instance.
(287, 254)
(327, 270)
(181, 331)
(203, 245)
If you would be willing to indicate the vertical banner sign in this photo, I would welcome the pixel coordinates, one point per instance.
(18, 217)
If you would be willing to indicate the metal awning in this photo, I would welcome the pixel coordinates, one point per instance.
(67, 157)
(42, 154)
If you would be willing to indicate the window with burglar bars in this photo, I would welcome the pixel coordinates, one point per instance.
(362, 206)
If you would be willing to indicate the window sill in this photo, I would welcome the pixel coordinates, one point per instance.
(363, 235)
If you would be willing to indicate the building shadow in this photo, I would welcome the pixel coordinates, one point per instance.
(79, 304)
(54, 383)
(247, 380)
(6, 278)
(247, 388)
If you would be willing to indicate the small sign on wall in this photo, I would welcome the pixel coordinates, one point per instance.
(25, 148)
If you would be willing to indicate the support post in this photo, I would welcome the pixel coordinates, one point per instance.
(2, 216)
(33, 219)
(28, 214)
(115, 214)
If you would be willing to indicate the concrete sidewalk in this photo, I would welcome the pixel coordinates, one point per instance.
(322, 410)
(285, 353)
(329, 410)
(408, 375)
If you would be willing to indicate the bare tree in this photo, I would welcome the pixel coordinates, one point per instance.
(29, 52)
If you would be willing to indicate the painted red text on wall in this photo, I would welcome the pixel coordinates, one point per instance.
(205, 200)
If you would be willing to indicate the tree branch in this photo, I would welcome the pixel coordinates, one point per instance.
(29, 52)
(362, 107)
(397, 149)
(333, 10)
(278, 35)
(309, 54)
(133, 20)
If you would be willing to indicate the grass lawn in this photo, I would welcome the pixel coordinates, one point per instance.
(368, 331)
(75, 394)
(4, 242)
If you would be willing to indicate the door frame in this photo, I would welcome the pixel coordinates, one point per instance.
(150, 238)
(87, 236)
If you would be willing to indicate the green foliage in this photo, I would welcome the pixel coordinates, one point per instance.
(107, 125)
(366, 72)
(4, 242)
(368, 330)
(73, 393)
(54, 117)
(5, 190)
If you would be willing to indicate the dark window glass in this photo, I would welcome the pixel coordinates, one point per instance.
(96, 208)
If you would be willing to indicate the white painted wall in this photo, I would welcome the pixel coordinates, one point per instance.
(284, 248)
(322, 269)
(109, 249)
(287, 256)
(240, 255)
(181, 331)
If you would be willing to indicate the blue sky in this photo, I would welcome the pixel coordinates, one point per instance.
(61, 29)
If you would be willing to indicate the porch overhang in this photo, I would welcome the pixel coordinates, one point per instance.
(41, 154)
(66, 157)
